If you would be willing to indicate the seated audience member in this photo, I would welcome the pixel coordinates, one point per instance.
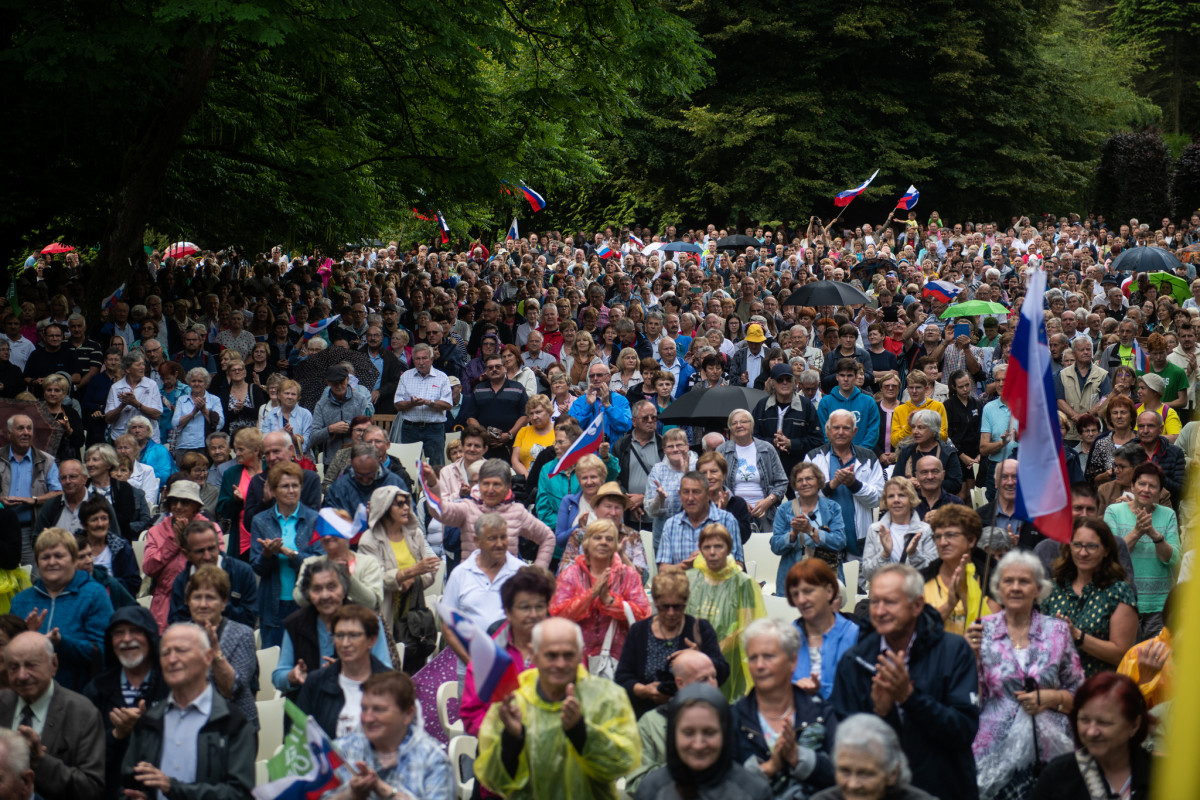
(118, 595)
(899, 537)
(16, 773)
(927, 441)
(954, 582)
(63, 727)
(930, 483)
(132, 682)
(201, 546)
(81, 608)
(825, 634)
(681, 533)
(355, 486)
(193, 743)
(809, 524)
(869, 763)
(333, 694)
(133, 513)
(164, 557)
(235, 663)
(108, 549)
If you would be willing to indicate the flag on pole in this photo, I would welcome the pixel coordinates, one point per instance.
(492, 667)
(604, 251)
(431, 497)
(1140, 362)
(313, 328)
(112, 299)
(535, 200)
(636, 241)
(330, 523)
(943, 291)
(306, 767)
(847, 197)
(445, 228)
(512, 232)
(1043, 490)
(909, 201)
(588, 442)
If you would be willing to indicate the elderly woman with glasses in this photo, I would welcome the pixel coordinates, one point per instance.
(755, 472)
(653, 643)
(1028, 672)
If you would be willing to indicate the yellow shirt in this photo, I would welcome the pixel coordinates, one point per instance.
(528, 444)
(1170, 419)
(404, 556)
(963, 615)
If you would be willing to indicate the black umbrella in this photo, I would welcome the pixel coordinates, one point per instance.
(1146, 259)
(681, 247)
(827, 293)
(737, 241)
(310, 373)
(711, 406)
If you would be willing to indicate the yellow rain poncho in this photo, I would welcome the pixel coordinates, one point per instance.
(549, 767)
(730, 600)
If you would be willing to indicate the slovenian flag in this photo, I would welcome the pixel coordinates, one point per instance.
(512, 232)
(1140, 362)
(307, 765)
(909, 201)
(112, 299)
(445, 228)
(313, 328)
(847, 197)
(331, 523)
(942, 291)
(431, 498)
(636, 241)
(1042, 486)
(492, 667)
(535, 200)
(588, 442)
(604, 251)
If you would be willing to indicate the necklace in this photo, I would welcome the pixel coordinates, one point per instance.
(790, 710)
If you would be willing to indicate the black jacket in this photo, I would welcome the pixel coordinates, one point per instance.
(1028, 537)
(801, 426)
(321, 695)
(631, 668)
(450, 360)
(392, 369)
(950, 462)
(105, 689)
(815, 723)
(243, 594)
(940, 717)
(1062, 780)
(301, 625)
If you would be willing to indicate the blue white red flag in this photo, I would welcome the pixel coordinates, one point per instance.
(512, 232)
(943, 291)
(847, 197)
(306, 767)
(588, 442)
(1043, 490)
(212, 333)
(313, 328)
(1140, 362)
(445, 228)
(112, 299)
(535, 200)
(636, 241)
(492, 667)
(431, 498)
(604, 251)
(909, 201)
(330, 523)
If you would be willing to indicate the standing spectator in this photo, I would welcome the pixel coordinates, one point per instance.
(562, 733)
(241, 399)
(55, 389)
(235, 488)
(388, 367)
(755, 472)
(920, 395)
(997, 434)
(662, 499)
(197, 412)
(923, 684)
(847, 349)
(964, 416)
(927, 442)
(847, 396)
(164, 557)
(132, 395)
(598, 399)
(331, 418)
(133, 515)
(810, 525)
(1159, 450)
(28, 477)
(498, 406)
(855, 478)
(1082, 387)
(422, 398)
(787, 419)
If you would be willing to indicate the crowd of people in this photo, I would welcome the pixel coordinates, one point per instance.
(825, 591)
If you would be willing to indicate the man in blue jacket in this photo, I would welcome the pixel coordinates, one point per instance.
(919, 679)
(847, 395)
(201, 547)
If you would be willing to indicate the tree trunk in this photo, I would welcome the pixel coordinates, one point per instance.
(144, 168)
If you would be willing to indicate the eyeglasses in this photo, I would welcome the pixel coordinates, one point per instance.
(1085, 547)
(400, 502)
(670, 606)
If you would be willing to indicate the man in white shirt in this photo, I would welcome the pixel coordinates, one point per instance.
(20, 347)
(423, 397)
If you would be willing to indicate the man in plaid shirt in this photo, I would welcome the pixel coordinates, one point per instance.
(682, 531)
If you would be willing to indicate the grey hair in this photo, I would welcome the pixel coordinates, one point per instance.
(197, 329)
(105, 451)
(536, 637)
(490, 522)
(216, 435)
(196, 630)
(318, 343)
(198, 371)
(736, 413)
(362, 449)
(1021, 558)
(496, 468)
(809, 377)
(785, 634)
(842, 412)
(869, 734)
(132, 358)
(11, 420)
(16, 751)
(914, 584)
(75, 317)
(708, 437)
(423, 348)
(930, 419)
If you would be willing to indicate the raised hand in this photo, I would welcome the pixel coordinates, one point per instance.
(510, 715)
(124, 719)
(34, 619)
(572, 712)
(298, 674)
(885, 541)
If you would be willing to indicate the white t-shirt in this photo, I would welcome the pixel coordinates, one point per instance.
(350, 718)
(747, 483)
(103, 558)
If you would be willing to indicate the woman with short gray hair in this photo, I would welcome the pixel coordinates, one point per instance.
(926, 425)
(870, 763)
(755, 472)
(197, 413)
(132, 395)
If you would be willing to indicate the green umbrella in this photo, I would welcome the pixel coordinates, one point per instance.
(973, 308)
(1170, 284)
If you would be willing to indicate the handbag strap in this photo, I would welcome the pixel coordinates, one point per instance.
(606, 651)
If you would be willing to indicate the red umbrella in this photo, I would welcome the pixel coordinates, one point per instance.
(182, 250)
(57, 247)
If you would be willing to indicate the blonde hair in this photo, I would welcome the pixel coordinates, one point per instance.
(591, 462)
(598, 526)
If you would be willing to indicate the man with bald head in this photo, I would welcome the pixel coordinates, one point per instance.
(63, 729)
(194, 743)
(278, 448)
(587, 734)
(929, 473)
(688, 667)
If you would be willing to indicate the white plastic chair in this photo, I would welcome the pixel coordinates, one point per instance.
(778, 608)
(851, 570)
(445, 692)
(261, 776)
(268, 659)
(139, 552)
(766, 563)
(409, 456)
(270, 731)
(461, 747)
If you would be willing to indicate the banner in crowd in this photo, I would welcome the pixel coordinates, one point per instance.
(307, 765)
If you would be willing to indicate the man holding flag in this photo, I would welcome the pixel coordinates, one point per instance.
(562, 733)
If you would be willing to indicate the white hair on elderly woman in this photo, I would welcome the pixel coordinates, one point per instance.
(785, 634)
(1019, 559)
(928, 419)
(870, 735)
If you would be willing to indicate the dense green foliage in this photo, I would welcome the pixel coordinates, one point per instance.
(1168, 33)
(1185, 183)
(1133, 177)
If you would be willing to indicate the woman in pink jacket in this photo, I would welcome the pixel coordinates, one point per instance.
(164, 558)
